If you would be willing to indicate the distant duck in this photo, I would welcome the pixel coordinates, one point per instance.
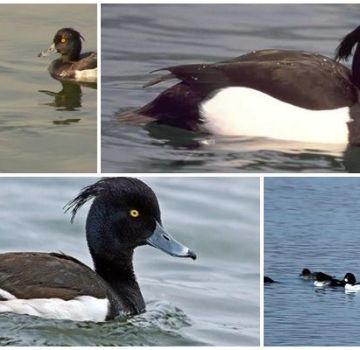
(281, 94)
(351, 285)
(72, 65)
(324, 280)
(306, 274)
(268, 280)
(125, 214)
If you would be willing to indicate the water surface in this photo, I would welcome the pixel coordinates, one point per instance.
(45, 126)
(211, 301)
(311, 222)
(137, 39)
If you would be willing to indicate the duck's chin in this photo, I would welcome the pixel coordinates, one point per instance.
(240, 111)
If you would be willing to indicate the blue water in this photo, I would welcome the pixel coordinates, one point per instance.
(137, 39)
(314, 223)
(211, 301)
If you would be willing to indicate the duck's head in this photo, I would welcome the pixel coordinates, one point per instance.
(125, 214)
(349, 278)
(67, 42)
(305, 272)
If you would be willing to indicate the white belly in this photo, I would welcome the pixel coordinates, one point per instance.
(83, 308)
(239, 111)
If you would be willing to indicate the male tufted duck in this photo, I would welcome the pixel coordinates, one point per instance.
(72, 65)
(281, 94)
(351, 285)
(125, 214)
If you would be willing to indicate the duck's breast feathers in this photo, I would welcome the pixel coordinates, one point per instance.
(306, 80)
(41, 275)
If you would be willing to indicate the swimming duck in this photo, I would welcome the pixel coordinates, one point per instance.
(324, 280)
(306, 274)
(72, 65)
(351, 285)
(281, 94)
(124, 214)
(268, 280)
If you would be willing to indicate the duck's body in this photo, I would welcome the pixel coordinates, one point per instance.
(325, 280)
(72, 65)
(285, 94)
(53, 286)
(124, 215)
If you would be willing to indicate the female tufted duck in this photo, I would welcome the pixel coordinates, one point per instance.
(125, 214)
(306, 274)
(281, 94)
(72, 65)
(324, 280)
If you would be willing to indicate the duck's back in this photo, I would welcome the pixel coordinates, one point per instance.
(85, 69)
(306, 80)
(53, 286)
(42, 275)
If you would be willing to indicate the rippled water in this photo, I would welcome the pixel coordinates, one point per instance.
(137, 39)
(211, 301)
(44, 126)
(311, 222)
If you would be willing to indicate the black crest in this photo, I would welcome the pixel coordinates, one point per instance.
(86, 194)
(114, 188)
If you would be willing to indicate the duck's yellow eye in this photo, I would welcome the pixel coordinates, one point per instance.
(134, 213)
(63, 40)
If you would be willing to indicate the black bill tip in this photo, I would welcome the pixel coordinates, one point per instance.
(192, 255)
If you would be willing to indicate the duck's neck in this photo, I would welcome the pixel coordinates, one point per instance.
(71, 57)
(120, 276)
(356, 66)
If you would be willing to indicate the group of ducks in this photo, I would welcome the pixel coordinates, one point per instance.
(314, 92)
(321, 279)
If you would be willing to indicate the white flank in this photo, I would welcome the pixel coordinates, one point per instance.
(320, 283)
(6, 295)
(87, 75)
(352, 288)
(83, 308)
(239, 111)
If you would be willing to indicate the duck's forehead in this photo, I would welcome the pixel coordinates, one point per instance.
(62, 34)
(141, 200)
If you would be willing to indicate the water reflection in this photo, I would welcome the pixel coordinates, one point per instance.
(69, 97)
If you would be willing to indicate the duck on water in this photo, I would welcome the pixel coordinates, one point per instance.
(72, 65)
(124, 214)
(281, 94)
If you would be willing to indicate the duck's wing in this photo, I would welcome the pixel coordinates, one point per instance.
(87, 61)
(321, 276)
(307, 80)
(41, 275)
